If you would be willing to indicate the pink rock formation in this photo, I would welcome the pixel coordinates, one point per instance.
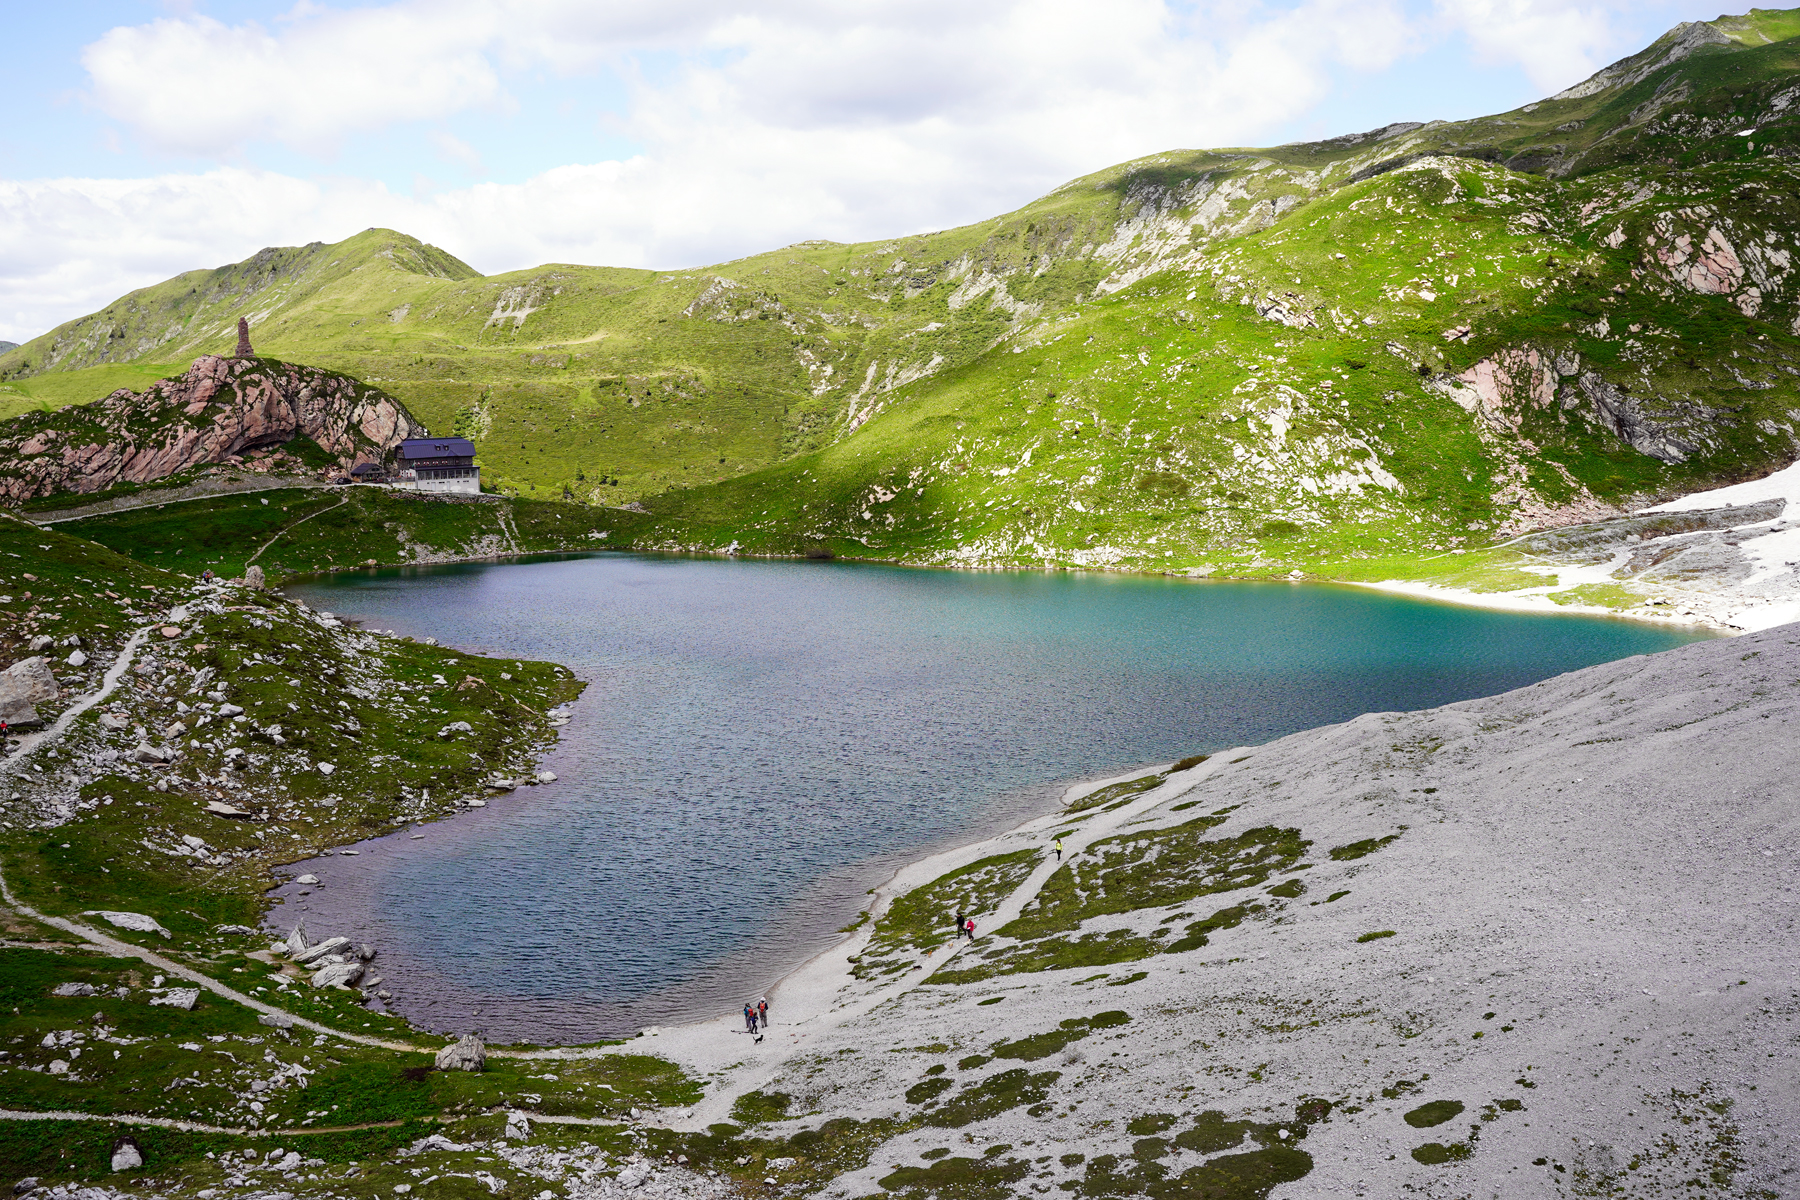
(220, 411)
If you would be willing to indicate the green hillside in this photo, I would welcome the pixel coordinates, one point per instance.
(1409, 340)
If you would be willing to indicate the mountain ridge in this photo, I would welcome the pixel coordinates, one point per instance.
(1322, 351)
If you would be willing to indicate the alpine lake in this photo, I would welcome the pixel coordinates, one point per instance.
(761, 742)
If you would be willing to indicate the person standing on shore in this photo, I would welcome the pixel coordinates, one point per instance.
(762, 1011)
(959, 922)
(1058, 849)
(749, 1019)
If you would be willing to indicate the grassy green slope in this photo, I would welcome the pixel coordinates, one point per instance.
(297, 531)
(774, 400)
(1171, 425)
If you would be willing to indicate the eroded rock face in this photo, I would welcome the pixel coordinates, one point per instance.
(1501, 389)
(222, 410)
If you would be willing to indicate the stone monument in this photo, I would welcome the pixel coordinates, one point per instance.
(244, 350)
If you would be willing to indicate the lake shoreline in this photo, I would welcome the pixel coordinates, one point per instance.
(1706, 612)
(795, 944)
(758, 746)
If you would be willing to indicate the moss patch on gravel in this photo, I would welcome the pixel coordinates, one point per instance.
(1115, 791)
(1436, 1113)
(1154, 869)
(921, 919)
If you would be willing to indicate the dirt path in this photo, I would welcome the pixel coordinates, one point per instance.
(31, 742)
(291, 525)
(150, 500)
(11, 1114)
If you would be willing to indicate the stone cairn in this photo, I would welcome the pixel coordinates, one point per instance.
(244, 350)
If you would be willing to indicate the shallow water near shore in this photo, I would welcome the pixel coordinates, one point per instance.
(761, 742)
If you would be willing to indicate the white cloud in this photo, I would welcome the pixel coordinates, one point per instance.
(758, 127)
(453, 149)
(1556, 43)
(192, 85)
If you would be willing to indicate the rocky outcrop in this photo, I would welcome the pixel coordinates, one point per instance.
(1500, 389)
(1621, 412)
(240, 412)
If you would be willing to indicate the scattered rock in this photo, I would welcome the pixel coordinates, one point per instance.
(296, 940)
(275, 1020)
(25, 1186)
(182, 998)
(241, 930)
(115, 721)
(72, 989)
(146, 753)
(42, 641)
(221, 809)
(465, 1054)
(58, 1066)
(171, 631)
(635, 1176)
(253, 577)
(127, 1155)
(313, 879)
(76, 659)
(137, 922)
(546, 776)
(518, 1126)
(175, 730)
(326, 768)
(456, 727)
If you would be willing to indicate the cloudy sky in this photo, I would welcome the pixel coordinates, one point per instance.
(143, 138)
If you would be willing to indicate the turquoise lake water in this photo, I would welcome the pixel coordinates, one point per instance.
(760, 742)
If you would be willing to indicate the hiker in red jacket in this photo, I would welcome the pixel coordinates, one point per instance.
(969, 928)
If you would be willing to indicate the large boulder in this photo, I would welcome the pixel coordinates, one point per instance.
(329, 946)
(136, 922)
(337, 974)
(24, 684)
(127, 1155)
(465, 1054)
